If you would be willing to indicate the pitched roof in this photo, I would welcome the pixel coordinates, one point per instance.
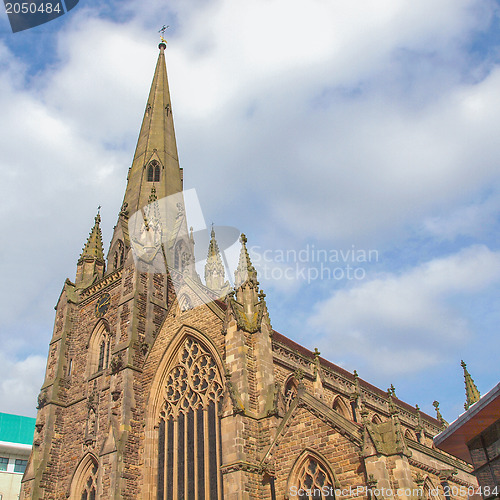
(349, 376)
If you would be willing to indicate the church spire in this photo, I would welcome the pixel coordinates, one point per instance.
(91, 261)
(471, 391)
(214, 268)
(155, 159)
(93, 248)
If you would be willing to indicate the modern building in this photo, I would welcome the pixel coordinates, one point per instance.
(161, 385)
(16, 438)
(475, 436)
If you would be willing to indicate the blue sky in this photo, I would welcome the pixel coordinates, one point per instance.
(335, 124)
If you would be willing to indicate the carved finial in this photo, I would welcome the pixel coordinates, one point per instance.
(316, 352)
(393, 390)
(439, 417)
(471, 392)
(355, 373)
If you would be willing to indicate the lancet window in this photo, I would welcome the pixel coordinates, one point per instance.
(340, 407)
(100, 348)
(153, 172)
(103, 352)
(84, 484)
(189, 450)
(291, 388)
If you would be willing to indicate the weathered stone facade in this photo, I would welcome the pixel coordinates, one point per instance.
(158, 388)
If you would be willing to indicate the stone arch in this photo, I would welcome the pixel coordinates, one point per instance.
(99, 348)
(376, 419)
(410, 434)
(184, 303)
(153, 171)
(185, 394)
(340, 406)
(430, 490)
(290, 389)
(311, 471)
(84, 483)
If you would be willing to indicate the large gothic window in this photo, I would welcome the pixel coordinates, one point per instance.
(89, 490)
(189, 453)
(84, 483)
(312, 479)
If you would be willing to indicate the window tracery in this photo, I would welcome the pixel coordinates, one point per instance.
(89, 490)
(313, 480)
(291, 388)
(99, 348)
(340, 407)
(189, 428)
(154, 172)
(84, 485)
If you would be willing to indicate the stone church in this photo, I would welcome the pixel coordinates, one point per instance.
(160, 385)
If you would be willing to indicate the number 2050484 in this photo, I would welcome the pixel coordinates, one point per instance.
(32, 8)
(485, 491)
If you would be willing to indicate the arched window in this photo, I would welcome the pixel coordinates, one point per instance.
(119, 255)
(154, 171)
(180, 257)
(103, 353)
(340, 407)
(189, 427)
(84, 484)
(431, 492)
(311, 474)
(291, 388)
(99, 348)
(410, 435)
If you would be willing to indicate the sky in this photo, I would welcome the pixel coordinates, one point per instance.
(354, 142)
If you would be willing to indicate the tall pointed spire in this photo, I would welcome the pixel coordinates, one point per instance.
(214, 268)
(471, 391)
(245, 270)
(155, 159)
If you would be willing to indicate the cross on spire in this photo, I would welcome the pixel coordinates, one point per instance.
(162, 33)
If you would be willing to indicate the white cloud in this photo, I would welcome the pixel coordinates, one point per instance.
(403, 323)
(20, 384)
(341, 122)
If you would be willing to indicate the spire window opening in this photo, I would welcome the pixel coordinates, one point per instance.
(153, 172)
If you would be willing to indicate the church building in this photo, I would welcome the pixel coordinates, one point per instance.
(161, 385)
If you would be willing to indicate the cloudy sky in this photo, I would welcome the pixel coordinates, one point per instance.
(355, 142)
